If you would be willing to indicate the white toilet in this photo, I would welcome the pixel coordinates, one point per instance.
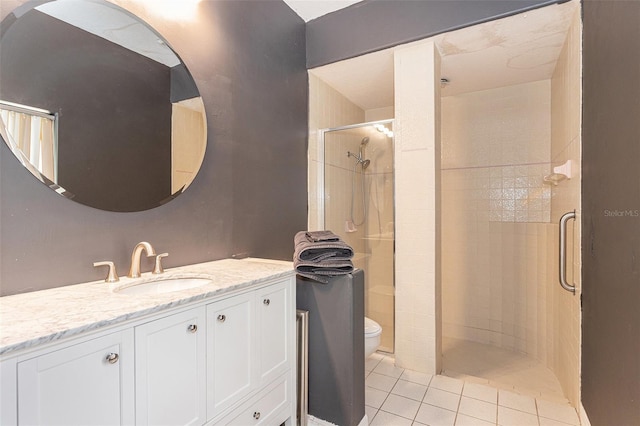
(372, 331)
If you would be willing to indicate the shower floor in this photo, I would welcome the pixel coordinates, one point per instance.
(500, 368)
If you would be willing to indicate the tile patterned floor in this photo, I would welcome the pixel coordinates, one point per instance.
(397, 397)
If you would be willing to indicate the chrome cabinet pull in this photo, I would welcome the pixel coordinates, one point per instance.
(256, 415)
(112, 358)
(222, 318)
(563, 251)
(266, 301)
(192, 328)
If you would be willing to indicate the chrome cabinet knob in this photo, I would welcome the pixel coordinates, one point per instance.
(256, 415)
(112, 358)
(266, 301)
(222, 318)
(192, 328)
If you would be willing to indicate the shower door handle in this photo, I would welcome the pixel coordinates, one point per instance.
(563, 251)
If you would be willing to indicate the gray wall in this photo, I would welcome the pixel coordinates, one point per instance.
(611, 213)
(377, 24)
(248, 60)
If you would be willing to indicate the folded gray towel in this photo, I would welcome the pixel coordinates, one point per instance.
(319, 260)
(306, 250)
(317, 236)
(323, 273)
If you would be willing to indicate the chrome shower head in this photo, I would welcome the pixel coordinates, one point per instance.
(365, 163)
(363, 143)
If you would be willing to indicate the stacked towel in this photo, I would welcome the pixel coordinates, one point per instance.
(317, 236)
(320, 255)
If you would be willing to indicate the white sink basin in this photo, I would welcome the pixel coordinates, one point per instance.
(163, 286)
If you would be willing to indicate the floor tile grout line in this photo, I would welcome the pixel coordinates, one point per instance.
(498, 407)
(497, 396)
(455, 419)
(385, 399)
(421, 401)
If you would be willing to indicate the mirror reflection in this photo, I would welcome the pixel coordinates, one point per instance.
(97, 106)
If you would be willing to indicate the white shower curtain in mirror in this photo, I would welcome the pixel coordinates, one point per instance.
(32, 139)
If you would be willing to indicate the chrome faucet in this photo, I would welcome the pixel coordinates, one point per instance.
(134, 271)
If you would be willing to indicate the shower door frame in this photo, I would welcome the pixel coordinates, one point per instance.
(320, 184)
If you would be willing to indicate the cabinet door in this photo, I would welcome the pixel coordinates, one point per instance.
(230, 331)
(170, 370)
(90, 383)
(8, 392)
(272, 306)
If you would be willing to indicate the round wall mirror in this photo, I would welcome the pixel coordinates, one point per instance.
(97, 106)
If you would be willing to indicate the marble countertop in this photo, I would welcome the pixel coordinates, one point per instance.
(31, 319)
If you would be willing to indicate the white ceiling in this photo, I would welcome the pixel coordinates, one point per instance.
(311, 9)
(513, 50)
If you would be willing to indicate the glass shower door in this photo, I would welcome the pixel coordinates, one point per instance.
(359, 207)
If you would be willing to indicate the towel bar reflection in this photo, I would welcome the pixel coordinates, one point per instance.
(563, 251)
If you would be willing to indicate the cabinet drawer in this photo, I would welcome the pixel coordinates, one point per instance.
(264, 408)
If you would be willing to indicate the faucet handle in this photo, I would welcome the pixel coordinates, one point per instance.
(158, 268)
(112, 276)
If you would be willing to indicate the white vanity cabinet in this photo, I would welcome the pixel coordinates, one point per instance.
(84, 384)
(221, 359)
(170, 370)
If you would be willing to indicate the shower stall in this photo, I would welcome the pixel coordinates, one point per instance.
(355, 186)
(510, 176)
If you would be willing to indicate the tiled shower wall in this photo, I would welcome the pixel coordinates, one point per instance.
(338, 184)
(327, 109)
(495, 222)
